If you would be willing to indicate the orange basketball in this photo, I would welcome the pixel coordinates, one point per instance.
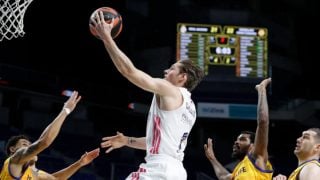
(108, 13)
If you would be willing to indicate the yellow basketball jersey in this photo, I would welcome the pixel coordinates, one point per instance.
(247, 170)
(294, 175)
(45, 175)
(6, 175)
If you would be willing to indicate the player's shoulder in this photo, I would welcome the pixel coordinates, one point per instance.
(311, 168)
(313, 164)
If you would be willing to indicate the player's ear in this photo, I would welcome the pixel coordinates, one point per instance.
(251, 147)
(317, 147)
(183, 77)
(12, 149)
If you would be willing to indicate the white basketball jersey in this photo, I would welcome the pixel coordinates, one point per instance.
(168, 131)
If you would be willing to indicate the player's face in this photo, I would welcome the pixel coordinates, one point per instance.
(241, 146)
(306, 144)
(173, 74)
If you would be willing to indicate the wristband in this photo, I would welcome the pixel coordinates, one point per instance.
(67, 110)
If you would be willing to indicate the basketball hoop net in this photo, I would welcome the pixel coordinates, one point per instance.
(11, 18)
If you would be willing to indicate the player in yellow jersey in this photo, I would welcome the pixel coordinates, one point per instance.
(308, 153)
(254, 164)
(65, 173)
(23, 153)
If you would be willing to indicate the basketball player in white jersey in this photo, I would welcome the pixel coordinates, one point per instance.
(171, 117)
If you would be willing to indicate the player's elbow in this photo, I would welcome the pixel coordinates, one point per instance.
(263, 120)
(127, 71)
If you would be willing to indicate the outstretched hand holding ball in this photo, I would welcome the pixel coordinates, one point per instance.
(112, 18)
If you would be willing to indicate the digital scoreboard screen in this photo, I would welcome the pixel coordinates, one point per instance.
(233, 56)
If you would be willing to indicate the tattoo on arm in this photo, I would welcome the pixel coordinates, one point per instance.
(131, 140)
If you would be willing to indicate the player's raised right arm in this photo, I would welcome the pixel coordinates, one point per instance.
(261, 139)
(48, 135)
(125, 66)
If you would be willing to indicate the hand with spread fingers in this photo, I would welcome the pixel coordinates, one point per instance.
(88, 157)
(103, 28)
(208, 149)
(114, 142)
(280, 177)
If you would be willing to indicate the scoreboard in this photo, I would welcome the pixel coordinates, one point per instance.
(225, 51)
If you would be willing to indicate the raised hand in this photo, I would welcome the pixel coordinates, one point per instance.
(114, 142)
(208, 149)
(102, 27)
(263, 84)
(72, 102)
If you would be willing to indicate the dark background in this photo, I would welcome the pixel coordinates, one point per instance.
(58, 42)
(58, 52)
